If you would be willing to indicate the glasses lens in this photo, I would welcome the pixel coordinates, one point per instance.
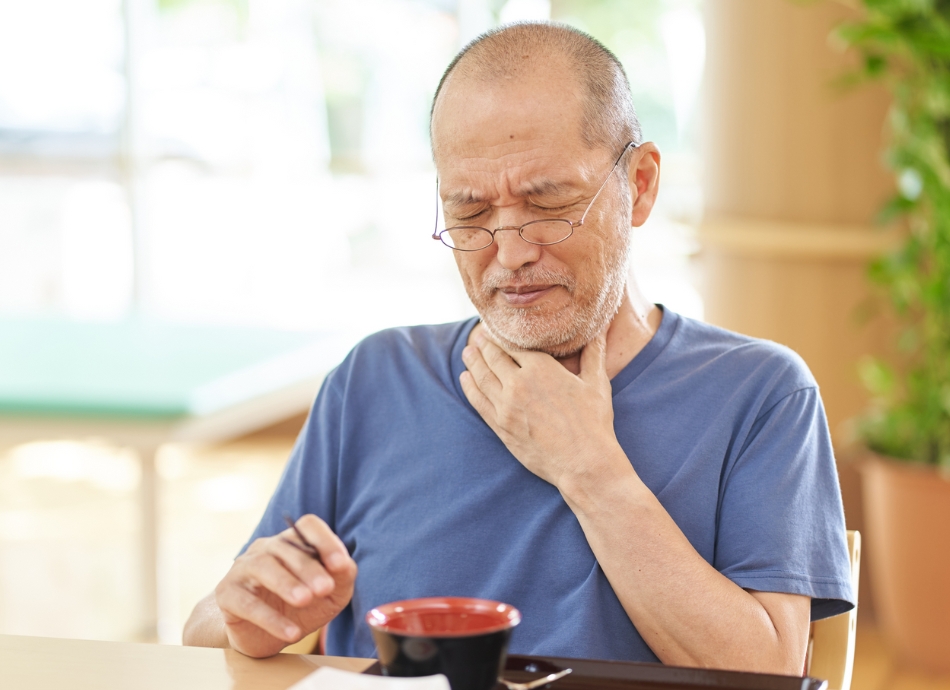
(547, 231)
(465, 238)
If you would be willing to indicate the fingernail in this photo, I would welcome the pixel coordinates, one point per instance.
(479, 339)
(335, 560)
(291, 631)
(322, 583)
(467, 352)
(299, 593)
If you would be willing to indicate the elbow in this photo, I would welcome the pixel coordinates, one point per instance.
(205, 626)
(190, 634)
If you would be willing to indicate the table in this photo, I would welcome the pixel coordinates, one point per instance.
(42, 663)
(141, 383)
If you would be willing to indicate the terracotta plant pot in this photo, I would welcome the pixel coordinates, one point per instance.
(907, 519)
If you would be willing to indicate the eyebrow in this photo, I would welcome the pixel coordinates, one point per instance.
(461, 199)
(544, 187)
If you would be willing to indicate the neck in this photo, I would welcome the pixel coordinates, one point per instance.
(631, 329)
(634, 324)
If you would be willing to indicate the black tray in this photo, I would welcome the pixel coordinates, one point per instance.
(590, 674)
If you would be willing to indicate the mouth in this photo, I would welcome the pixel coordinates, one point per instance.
(521, 295)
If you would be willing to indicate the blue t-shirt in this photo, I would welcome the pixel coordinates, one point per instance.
(727, 431)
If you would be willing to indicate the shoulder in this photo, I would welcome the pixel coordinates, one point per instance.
(713, 346)
(421, 339)
(733, 360)
(401, 351)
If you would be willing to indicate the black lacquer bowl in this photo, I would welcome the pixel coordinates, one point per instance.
(465, 639)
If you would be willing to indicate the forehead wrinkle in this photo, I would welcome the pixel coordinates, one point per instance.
(503, 177)
(535, 188)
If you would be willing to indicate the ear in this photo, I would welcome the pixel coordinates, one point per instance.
(643, 176)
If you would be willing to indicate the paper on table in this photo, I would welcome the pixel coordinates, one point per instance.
(334, 679)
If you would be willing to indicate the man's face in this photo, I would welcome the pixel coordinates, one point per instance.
(511, 154)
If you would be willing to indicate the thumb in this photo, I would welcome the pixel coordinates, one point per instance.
(594, 357)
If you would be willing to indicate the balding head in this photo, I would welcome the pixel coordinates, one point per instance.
(505, 54)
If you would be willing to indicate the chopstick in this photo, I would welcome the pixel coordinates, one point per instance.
(307, 547)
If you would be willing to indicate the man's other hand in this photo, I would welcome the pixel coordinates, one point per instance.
(276, 594)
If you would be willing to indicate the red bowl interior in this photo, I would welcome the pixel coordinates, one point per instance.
(443, 617)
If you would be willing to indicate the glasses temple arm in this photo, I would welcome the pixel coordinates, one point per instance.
(606, 180)
(435, 230)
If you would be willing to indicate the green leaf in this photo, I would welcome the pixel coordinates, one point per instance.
(905, 44)
(877, 376)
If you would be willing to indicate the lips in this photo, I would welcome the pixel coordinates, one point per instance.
(521, 295)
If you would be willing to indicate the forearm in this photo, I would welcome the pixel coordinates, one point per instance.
(686, 611)
(205, 626)
(560, 426)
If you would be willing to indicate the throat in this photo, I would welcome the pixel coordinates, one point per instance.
(571, 362)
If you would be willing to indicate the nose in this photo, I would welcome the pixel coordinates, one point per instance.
(512, 251)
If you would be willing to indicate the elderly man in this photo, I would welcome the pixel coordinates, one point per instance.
(642, 486)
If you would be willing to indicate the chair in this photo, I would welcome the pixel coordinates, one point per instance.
(831, 644)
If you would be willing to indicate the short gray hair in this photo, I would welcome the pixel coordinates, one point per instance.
(609, 118)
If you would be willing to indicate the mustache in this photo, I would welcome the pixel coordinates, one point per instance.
(527, 275)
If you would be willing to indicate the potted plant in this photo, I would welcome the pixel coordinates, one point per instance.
(906, 485)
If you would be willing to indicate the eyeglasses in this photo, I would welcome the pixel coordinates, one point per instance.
(469, 238)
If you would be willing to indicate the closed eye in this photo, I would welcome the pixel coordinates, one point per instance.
(462, 218)
(465, 219)
(554, 209)
(463, 214)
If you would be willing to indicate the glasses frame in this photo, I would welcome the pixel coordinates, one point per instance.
(437, 234)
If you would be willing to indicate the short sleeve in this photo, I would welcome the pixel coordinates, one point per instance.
(781, 523)
(308, 483)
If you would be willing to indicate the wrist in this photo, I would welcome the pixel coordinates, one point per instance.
(601, 481)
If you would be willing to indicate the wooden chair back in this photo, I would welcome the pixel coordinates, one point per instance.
(831, 644)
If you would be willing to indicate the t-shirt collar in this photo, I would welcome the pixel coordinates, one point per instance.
(623, 379)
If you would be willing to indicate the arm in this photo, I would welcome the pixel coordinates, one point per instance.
(560, 426)
(205, 626)
(275, 594)
(689, 613)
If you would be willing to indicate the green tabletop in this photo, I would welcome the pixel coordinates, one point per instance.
(146, 368)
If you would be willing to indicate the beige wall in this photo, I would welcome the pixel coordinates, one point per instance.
(793, 180)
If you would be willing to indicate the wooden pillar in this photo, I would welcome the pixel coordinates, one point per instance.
(794, 178)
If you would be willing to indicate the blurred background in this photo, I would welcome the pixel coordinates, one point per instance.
(261, 164)
(233, 161)
(263, 167)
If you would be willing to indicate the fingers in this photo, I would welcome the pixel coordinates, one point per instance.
(335, 565)
(289, 569)
(479, 400)
(500, 362)
(336, 559)
(274, 571)
(482, 374)
(488, 365)
(279, 566)
(240, 605)
(275, 586)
